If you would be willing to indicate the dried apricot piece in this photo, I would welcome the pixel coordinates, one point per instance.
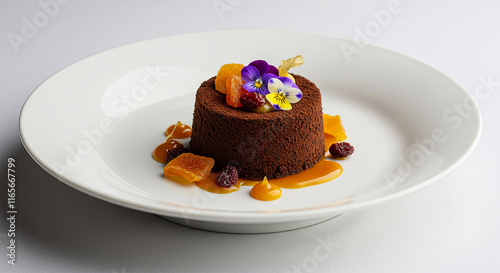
(190, 166)
(173, 153)
(235, 89)
(333, 127)
(225, 72)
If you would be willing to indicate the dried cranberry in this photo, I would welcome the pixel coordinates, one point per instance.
(252, 100)
(171, 154)
(227, 177)
(341, 149)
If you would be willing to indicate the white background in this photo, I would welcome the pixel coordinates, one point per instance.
(453, 226)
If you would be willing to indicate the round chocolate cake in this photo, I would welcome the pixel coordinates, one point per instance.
(275, 144)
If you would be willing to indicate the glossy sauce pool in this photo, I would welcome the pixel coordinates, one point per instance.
(178, 131)
(324, 171)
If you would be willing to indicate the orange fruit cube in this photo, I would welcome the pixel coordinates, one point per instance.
(234, 87)
(190, 167)
(225, 72)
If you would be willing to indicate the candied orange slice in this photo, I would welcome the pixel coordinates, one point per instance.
(329, 140)
(190, 166)
(235, 89)
(225, 72)
(333, 127)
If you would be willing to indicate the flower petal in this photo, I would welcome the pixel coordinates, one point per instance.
(287, 82)
(286, 106)
(293, 95)
(278, 101)
(273, 98)
(250, 87)
(275, 86)
(249, 74)
(267, 77)
(273, 70)
(261, 65)
(263, 90)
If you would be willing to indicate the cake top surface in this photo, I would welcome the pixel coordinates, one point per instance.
(211, 98)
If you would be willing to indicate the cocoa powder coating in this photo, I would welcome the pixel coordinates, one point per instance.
(275, 144)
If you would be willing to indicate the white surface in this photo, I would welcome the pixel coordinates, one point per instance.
(88, 144)
(450, 227)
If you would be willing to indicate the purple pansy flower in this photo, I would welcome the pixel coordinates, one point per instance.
(257, 75)
(282, 93)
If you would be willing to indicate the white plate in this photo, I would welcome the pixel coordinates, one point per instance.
(94, 124)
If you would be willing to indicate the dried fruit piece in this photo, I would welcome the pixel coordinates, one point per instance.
(234, 91)
(171, 154)
(252, 100)
(179, 131)
(266, 108)
(210, 185)
(190, 166)
(160, 152)
(342, 149)
(225, 72)
(227, 177)
(333, 127)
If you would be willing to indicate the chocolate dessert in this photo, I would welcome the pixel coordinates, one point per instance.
(274, 144)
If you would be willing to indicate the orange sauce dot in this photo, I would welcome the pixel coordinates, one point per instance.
(178, 131)
(266, 191)
(160, 152)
